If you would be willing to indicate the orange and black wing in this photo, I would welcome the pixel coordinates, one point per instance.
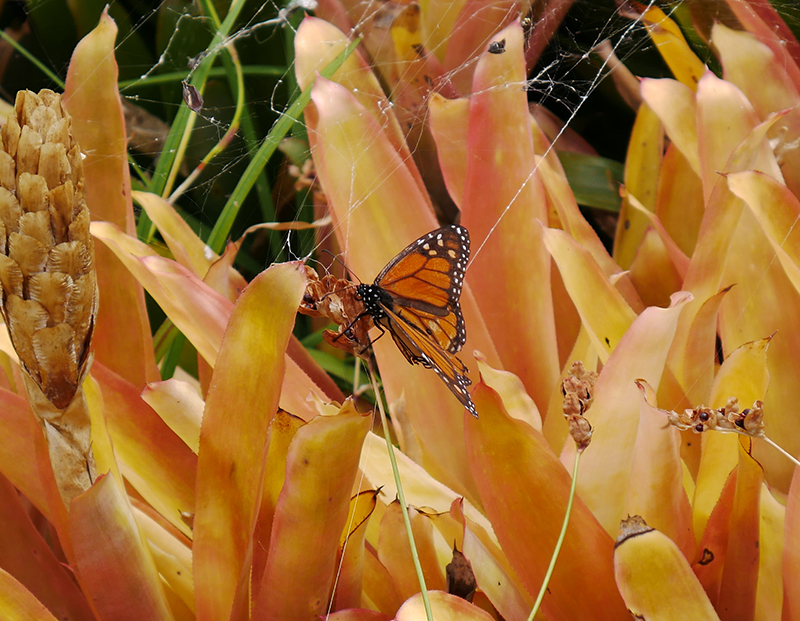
(424, 282)
(419, 347)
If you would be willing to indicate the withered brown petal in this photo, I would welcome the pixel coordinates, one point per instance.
(10, 275)
(10, 210)
(37, 225)
(8, 171)
(53, 164)
(53, 290)
(28, 150)
(28, 252)
(55, 352)
(25, 317)
(32, 192)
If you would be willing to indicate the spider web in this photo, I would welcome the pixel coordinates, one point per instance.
(570, 79)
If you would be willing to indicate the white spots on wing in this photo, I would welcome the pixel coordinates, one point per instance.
(426, 246)
(452, 254)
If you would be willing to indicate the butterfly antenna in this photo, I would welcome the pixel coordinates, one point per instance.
(342, 263)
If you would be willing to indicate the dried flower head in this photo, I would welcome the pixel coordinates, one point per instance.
(49, 299)
(577, 389)
(49, 285)
(335, 298)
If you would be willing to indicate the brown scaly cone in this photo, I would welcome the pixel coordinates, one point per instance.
(49, 284)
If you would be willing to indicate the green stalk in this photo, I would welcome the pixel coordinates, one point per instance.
(560, 541)
(222, 228)
(400, 495)
(169, 162)
(173, 77)
(227, 137)
(31, 58)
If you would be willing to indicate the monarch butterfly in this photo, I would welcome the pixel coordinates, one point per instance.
(415, 299)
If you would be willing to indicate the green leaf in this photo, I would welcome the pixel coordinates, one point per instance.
(594, 180)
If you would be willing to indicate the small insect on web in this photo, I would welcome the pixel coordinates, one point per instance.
(416, 299)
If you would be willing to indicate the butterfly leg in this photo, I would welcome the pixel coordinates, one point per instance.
(375, 340)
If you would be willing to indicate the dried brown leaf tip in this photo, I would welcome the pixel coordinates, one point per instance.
(461, 580)
(749, 421)
(335, 298)
(577, 389)
(49, 285)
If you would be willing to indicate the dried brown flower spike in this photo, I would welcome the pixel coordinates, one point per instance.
(335, 299)
(49, 285)
(577, 389)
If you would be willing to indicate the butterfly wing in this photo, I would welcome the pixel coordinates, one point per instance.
(424, 282)
(418, 347)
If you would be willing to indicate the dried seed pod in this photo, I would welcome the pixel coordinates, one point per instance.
(49, 285)
(577, 389)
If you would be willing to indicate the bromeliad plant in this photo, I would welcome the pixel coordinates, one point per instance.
(258, 491)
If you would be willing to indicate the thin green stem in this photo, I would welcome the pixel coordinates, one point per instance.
(561, 538)
(169, 162)
(173, 77)
(783, 451)
(400, 495)
(35, 61)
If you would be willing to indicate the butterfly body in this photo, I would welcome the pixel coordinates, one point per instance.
(416, 299)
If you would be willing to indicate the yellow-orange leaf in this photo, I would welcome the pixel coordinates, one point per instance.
(737, 596)
(114, 562)
(656, 491)
(179, 406)
(770, 589)
(791, 552)
(282, 428)
(395, 554)
(516, 401)
(445, 607)
(92, 98)
(670, 43)
(642, 164)
(656, 580)
(317, 43)
(154, 460)
(504, 218)
(243, 398)
(744, 375)
(349, 585)
(17, 450)
(511, 488)
(195, 308)
(187, 248)
(606, 468)
(606, 320)
(17, 603)
(312, 510)
(25, 554)
(675, 105)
